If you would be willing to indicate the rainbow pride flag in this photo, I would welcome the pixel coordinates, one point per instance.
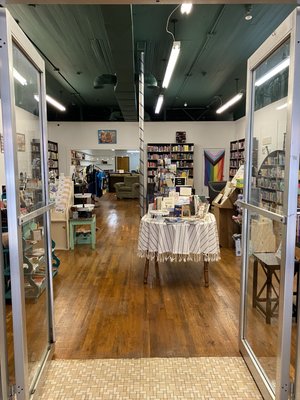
(214, 165)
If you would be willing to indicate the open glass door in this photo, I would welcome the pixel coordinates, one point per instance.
(28, 221)
(270, 206)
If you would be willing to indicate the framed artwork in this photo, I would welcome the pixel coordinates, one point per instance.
(1, 144)
(180, 137)
(107, 136)
(20, 142)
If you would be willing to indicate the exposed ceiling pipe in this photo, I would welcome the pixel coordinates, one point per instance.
(210, 33)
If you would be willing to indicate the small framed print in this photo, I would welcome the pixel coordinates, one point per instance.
(180, 137)
(107, 136)
(20, 142)
(185, 210)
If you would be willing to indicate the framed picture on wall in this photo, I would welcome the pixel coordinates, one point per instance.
(20, 142)
(107, 136)
(1, 144)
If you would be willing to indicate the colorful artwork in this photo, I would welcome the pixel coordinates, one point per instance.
(107, 136)
(213, 165)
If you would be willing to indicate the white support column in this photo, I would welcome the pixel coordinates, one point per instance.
(141, 134)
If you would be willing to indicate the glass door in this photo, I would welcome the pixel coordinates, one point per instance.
(270, 206)
(28, 220)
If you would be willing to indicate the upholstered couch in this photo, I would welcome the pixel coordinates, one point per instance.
(129, 189)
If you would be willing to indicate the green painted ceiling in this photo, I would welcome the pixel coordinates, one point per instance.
(81, 42)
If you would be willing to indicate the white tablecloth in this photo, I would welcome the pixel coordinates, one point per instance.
(184, 241)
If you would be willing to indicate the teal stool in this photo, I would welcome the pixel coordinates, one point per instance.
(83, 221)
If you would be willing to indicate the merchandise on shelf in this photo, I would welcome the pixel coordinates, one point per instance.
(167, 160)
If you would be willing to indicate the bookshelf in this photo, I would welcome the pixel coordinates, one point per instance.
(81, 159)
(237, 157)
(36, 158)
(53, 158)
(176, 156)
(270, 181)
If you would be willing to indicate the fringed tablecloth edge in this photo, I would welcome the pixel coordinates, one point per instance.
(178, 257)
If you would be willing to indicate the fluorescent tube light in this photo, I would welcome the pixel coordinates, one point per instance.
(186, 8)
(171, 63)
(274, 71)
(52, 101)
(19, 77)
(133, 151)
(229, 103)
(159, 103)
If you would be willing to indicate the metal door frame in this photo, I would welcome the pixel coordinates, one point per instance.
(289, 28)
(11, 33)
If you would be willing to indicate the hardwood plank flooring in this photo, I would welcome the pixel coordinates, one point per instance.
(103, 309)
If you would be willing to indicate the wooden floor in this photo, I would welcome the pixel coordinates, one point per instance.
(103, 309)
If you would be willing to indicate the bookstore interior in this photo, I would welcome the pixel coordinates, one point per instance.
(192, 204)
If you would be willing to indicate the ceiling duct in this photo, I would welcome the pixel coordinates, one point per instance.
(105, 79)
(118, 24)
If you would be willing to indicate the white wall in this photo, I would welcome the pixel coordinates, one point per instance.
(204, 135)
(28, 125)
(269, 127)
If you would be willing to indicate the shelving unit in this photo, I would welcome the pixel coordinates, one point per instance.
(180, 155)
(53, 157)
(80, 159)
(270, 180)
(36, 158)
(237, 157)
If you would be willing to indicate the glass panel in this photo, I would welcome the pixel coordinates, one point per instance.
(269, 130)
(262, 295)
(27, 91)
(34, 268)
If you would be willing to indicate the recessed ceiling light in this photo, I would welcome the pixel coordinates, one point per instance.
(248, 13)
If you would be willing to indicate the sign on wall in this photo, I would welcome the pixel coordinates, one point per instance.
(213, 165)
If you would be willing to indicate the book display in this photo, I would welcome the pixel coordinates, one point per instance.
(237, 157)
(169, 158)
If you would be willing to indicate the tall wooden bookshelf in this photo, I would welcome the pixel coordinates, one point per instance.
(36, 158)
(237, 156)
(181, 155)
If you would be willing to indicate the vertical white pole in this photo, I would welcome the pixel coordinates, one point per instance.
(141, 134)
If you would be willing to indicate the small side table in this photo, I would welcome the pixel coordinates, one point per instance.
(83, 221)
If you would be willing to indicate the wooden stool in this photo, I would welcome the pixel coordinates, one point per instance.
(270, 264)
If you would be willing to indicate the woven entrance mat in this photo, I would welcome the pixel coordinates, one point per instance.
(149, 378)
